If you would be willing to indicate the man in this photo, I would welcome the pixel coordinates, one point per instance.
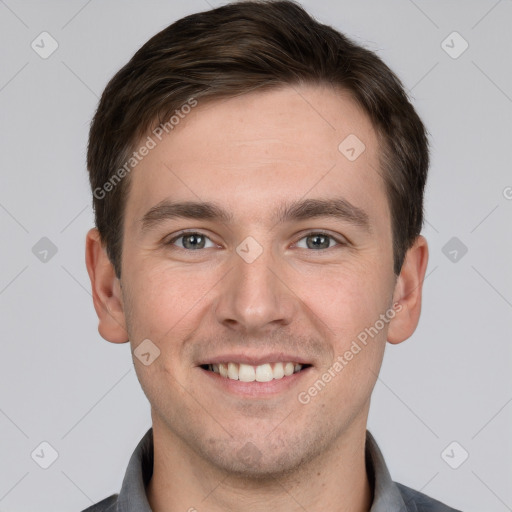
(258, 189)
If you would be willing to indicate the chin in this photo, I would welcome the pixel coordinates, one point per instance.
(260, 460)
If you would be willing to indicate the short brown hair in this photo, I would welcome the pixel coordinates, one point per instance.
(239, 48)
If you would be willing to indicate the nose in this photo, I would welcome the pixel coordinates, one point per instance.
(255, 296)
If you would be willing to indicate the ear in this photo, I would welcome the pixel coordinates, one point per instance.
(106, 290)
(407, 293)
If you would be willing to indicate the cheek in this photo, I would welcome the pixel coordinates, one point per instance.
(166, 300)
(349, 303)
(347, 299)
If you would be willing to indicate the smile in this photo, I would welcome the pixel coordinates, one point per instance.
(249, 373)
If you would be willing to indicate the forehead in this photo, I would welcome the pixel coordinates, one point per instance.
(262, 148)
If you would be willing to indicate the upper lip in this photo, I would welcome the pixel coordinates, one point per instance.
(255, 360)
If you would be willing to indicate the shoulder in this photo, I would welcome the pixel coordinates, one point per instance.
(416, 501)
(106, 505)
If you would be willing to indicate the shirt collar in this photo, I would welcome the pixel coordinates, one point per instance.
(132, 497)
(386, 495)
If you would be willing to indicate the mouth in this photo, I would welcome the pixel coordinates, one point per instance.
(265, 372)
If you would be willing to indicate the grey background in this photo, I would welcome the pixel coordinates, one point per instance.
(61, 383)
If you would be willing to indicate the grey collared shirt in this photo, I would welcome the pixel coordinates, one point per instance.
(388, 496)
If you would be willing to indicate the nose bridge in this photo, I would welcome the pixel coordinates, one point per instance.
(253, 294)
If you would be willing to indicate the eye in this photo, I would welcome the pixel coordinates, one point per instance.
(191, 241)
(317, 240)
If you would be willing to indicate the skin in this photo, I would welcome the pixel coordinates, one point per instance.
(249, 154)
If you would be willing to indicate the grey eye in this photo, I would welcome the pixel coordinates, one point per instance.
(192, 241)
(316, 241)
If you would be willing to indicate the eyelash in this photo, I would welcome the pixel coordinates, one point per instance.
(306, 235)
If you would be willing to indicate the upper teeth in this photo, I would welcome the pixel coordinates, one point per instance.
(248, 373)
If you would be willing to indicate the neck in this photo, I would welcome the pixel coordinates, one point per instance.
(335, 480)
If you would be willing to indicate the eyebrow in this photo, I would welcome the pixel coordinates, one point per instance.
(337, 208)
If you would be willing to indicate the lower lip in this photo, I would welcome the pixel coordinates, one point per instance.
(256, 389)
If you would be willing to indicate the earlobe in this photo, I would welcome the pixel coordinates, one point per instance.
(106, 291)
(408, 292)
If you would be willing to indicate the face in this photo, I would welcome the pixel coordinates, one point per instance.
(290, 263)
